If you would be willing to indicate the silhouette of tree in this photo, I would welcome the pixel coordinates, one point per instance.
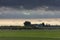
(43, 24)
(27, 23)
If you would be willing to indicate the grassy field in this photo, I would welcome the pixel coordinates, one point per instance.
(29, 34)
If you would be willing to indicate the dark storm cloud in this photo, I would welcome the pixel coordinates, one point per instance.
(37, 8)
(29, 3)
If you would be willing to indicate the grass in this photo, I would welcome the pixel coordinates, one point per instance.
(29, 34)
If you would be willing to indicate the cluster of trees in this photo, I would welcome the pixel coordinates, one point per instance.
(28, 24)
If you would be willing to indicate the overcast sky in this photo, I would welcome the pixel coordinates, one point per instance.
(29, 9)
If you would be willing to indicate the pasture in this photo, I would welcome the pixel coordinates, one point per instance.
(29, 34)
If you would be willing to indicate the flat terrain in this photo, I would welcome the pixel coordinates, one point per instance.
(29, 34)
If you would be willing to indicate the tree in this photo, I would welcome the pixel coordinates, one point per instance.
(27, 23)
(43, 24)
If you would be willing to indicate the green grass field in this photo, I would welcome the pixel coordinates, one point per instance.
(29, 34)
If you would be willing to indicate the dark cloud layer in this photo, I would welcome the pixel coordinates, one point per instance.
(29, 3)
(37, 9)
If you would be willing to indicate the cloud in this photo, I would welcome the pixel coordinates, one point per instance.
(39, 12)
(29, 4)
(29, 8)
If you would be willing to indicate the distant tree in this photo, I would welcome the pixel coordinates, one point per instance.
(43, 24)
(27, 23)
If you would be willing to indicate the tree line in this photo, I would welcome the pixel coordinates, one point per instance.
(28, 25)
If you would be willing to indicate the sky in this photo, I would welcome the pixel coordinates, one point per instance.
(16, 9)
